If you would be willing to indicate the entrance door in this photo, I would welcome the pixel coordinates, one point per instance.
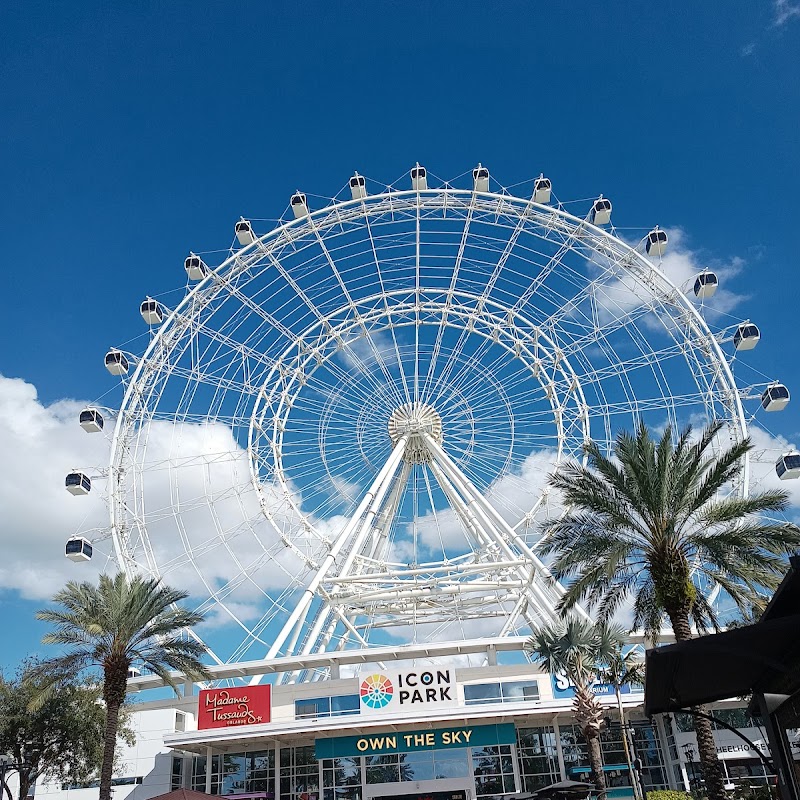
(423, 790)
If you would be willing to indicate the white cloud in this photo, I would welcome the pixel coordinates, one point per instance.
(783, 12)
(617, 298)
(40, 445)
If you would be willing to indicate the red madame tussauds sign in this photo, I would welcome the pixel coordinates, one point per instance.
(222, 708)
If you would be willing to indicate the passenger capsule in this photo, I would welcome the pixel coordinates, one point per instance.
(788, 466)
(78, 549)
(116, 363)
(601, 211)
(196, 268)
(151, 312)
(480, 179)
(419, 179)
(244, 232)
(299, 205)
(746, 336)
(91, 420)
(705, 285)
(78, 484)
(358, 187)
(542, 187)
(775, 397)
(656, 243)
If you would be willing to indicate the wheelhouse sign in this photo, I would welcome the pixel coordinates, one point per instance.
(410, 689)
(224, 708)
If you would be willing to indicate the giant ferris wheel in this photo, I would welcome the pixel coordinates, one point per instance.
(339, 436)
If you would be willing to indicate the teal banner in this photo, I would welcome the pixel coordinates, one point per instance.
(373, 744)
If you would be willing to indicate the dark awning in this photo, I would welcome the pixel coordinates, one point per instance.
(764, 657)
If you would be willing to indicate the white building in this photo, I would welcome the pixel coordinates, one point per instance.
(417, 724)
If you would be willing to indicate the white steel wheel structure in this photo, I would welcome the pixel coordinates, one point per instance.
(340, 436)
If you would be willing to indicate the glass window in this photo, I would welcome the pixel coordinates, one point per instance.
(514, 691)
(493, 769)
(313, 708)
(299, 773)
(385, 769)
(482, 693)
(176, 782)
(341, 779)
(345, 704)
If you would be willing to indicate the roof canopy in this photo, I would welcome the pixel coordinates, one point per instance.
(763, 658)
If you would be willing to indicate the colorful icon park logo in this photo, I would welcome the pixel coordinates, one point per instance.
(376, 691)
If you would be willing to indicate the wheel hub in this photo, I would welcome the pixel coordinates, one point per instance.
(415, 420)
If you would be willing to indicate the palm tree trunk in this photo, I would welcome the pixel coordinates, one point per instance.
(115, 687)
(589, 714)
(596, 760)
(706, 746)
(634, 781)
(109, 747)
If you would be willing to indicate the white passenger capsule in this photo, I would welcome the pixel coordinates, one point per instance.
(788, 466)
(116, 363)
(244, 232)
(196, 268)
(419, 179)
(358, 188)
(746, 337)
(601, 211)
(78, 549)
(91, 420)
(656, 243)
(542, 187)
(151, 312)
(480, 179)
(775, 397)
(299, 205)
(705, 285)
(78, 484)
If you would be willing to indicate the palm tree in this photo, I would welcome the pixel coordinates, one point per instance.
(643, 523)
(111, 626)
(621, 669)
(578, 648)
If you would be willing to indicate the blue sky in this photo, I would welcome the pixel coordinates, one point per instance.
(132, 133)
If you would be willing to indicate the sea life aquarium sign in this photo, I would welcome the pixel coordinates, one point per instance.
(376, 744)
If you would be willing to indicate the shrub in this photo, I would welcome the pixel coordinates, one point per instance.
(668, 794)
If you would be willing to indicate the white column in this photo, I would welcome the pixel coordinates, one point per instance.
(559, 751)
(209, 761)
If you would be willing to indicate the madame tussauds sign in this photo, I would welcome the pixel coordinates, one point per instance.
(222, 708)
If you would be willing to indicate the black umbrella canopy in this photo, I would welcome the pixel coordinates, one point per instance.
(764, 657)
(564, 788)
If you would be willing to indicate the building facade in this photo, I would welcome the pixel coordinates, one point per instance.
(405, 728)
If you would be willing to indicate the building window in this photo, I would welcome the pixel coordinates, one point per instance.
(319, 707)
(735, 717)
(236, 773)
(419, 765)
(493, 769)
(341, 779)
(176, 781)
(538, 757)
(501, 692)
(299, 773)
(180, 721)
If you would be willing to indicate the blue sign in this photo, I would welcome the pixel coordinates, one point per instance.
(563, 687)
(377, 743)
